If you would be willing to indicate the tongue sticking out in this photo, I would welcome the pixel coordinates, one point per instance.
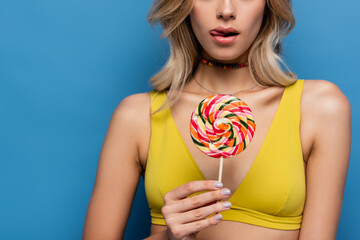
(223, 34)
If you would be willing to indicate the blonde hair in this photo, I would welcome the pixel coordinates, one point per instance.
(264, 55)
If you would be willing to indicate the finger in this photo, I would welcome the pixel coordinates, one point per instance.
(203, 212)
(189, 188)
(201, 200)
(184, 230)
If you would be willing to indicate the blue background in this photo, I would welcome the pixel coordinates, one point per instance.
(66, 65)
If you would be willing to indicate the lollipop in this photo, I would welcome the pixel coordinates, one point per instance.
(222, 126)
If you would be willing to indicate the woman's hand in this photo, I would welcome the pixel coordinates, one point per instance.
(185, 216)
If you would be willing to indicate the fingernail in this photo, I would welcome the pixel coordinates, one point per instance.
(227, 205)
(218, 217)
(225, 192)
(218, 184)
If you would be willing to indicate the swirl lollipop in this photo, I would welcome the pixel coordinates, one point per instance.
(222, 126)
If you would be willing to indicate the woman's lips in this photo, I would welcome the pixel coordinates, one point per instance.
(224, 35)
(223, 38)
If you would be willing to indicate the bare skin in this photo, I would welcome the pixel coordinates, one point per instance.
(312, 92)
(124, 153)
(325, 163)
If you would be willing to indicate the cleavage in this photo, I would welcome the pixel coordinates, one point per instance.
(237, 167)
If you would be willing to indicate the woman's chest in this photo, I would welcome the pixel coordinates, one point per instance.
(267, 177)
(272, 135)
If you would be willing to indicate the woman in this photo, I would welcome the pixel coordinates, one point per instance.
(287, 184)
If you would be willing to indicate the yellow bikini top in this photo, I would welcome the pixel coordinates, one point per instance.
(272, 193)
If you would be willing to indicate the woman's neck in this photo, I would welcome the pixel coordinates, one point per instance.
(223, 80)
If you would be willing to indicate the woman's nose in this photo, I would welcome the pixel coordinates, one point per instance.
(226, 10)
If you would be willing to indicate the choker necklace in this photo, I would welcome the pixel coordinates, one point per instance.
(232, 94)
(223, 66)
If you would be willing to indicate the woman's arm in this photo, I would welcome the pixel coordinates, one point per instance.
(119, 169)
(330, 114)
(186, 215)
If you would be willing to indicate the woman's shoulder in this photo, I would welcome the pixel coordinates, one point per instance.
(134, 112)
(324, 108)
(132, 106)
(132, 116)
(324, 97)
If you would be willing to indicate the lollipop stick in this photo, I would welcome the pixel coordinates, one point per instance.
(221, 168)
